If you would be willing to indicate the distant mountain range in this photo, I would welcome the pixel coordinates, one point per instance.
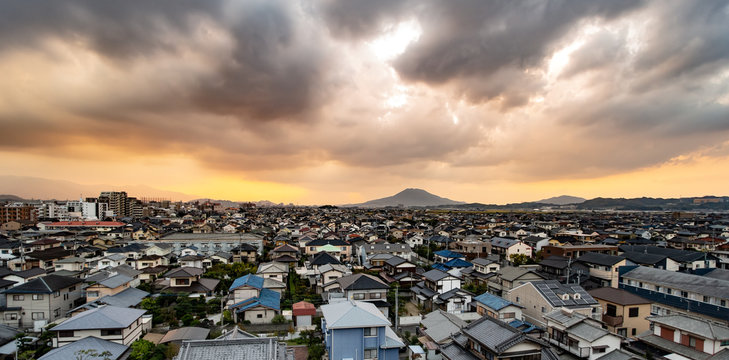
(562, 200)
(410, 198)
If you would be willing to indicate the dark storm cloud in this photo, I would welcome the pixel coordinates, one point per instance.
(274, 71)
(470, 41)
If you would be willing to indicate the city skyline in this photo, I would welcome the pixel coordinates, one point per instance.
(317, 102)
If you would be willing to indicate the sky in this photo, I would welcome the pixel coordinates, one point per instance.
(314, 102)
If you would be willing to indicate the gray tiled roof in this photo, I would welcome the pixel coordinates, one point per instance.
(682, 281)
(234, 349)
(704, 328)
(106, 317)
(353, 314)
(554, 292)
(71, 350)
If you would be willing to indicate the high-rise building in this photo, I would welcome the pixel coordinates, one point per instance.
(118, 202)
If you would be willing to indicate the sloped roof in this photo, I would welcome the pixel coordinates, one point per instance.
(128, 297)
(303, 308)
(185, 333)
(617, 296)
(678, 280)
(106, 317)
(458, 263)
(703, 328)
(116, 281)
(353, 314)
(267, 298)
(240, 348)
(247, 280)
(435, 275)
(44, 285)
(600, 259)
(440, 325)
(70, 351)
(361, 282)
(494, 302)
(449, 254)
(185, 271)
(324, 258)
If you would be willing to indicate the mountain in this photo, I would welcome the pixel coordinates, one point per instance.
(40, 188)
(8, 197)
(409, 197)
(562, 200)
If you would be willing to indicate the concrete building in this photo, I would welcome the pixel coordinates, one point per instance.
(623, 312)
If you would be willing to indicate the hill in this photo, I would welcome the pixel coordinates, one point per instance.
(410, 198)
(562, 200)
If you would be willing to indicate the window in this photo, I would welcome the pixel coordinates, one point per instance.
(623, 332)
(684, 294)
(72, 288)
(259, 316)
(517, 299)
(692, 341)
(370, 332)
(375, 295)
(67, 333)
(358, 296)
(18, 297)
(544, 309)
(633, 331)
(182, 281)
(612, 310)
(633, 312)
(57, 312)
(669, 291)
(38, 315)
(725, 343)
(37, 296)
(11, 316)
(57, 294)
(111, 332)
(370, 354)
(92, 294)
(722, 303)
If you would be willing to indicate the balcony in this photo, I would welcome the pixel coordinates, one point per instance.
(579, 351)
(612, 320)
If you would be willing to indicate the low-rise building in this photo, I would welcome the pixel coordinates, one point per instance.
(688, 337)
(623, 312)
(579, 335)
(41, 301)
(541, 297)
(117, 324)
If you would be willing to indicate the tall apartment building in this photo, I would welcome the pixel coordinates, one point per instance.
(17, 212)
(118, 202)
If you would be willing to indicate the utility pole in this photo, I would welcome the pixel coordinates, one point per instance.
(397, 306)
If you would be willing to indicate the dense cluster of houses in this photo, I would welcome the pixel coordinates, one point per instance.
(464, 285)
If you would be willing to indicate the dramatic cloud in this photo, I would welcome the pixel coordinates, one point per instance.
(323, 94)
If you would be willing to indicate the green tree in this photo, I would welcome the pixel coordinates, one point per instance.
(146, 350)
(519, 259)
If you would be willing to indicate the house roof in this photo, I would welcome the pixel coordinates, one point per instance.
(116, 281)
(70, 351)
(266, 298)
(324, 258)
(239, 348)
(361, 282)
(303, 308)
(678, 280)
(353, 314)
(440, 325)
(553, 291)
(482, 261)
(247, 280)
(511, 273)
(435, 275)
(600, 259)
(503, 242)
(555, 261)
(272, 267)
(44, 285)
(105, 317)
(449, 254)
(704, 328)
(184, 271)
(185, 333)
(494, 334)
(458, 263)
(494, 302)
(617, 296)
(128, 297)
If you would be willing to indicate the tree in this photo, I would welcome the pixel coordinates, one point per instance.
(91, 354)
(279, 319)
(519, 259)
(143, 350)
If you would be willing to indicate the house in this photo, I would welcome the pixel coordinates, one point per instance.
(369, 250)
(117, 324)
(323, 259)
(40, 301)
(542, 297)
(507, 247)
(115, 351)
(273, 270)
(188, 280)
(45, 259)
(74, 263)
(147, 261)
(686, 336)
(678, 293)
(510, 277)
(435, 282)
(363, 287)
(129, 297)
(251, 301)
(497, 307)
(193, 261)
(575, 251)
(555, 267)
(603, 267)
(623, 312)
(244, 253)
(177, 336)
(400, 270)
(328, 273)
(489, 338)
(357, 330)
(109, 286)
(340, 248)
(444, 256)
(454, 301)
(111, 261)
(285, 253)
(438, 326)
(579, 335)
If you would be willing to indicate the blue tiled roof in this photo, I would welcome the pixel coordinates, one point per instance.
(458, 263)
(448, 254)
(441, 267)
(268, 298)
(493, 302)
(528, 326)
(250, 280)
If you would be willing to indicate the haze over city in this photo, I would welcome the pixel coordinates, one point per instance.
(314, 102)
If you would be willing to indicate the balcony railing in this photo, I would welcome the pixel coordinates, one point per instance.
(580, 351)
(612, 320)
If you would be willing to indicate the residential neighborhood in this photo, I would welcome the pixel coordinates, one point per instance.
(172, 280)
